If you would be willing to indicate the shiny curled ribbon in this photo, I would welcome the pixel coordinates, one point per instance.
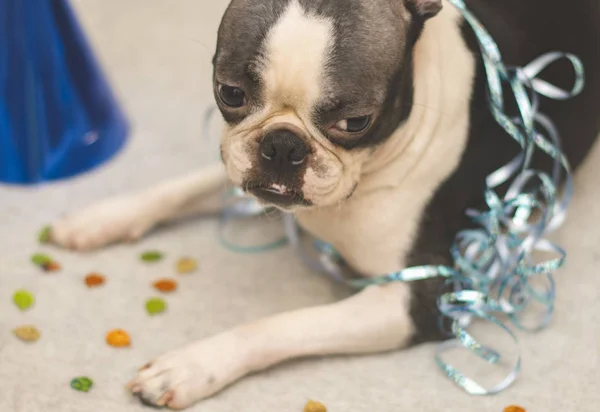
(493, 264)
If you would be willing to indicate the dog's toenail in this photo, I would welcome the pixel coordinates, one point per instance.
(165, 399)
(133, 387)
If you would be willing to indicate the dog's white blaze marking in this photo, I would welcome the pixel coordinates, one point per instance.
(296, 52)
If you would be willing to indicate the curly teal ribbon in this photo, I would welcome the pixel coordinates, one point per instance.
(493, 265)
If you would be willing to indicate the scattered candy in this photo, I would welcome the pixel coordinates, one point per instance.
(313, 406)
(186, 265)
(152, 256)
(514, 408)
(27, 333)
(45, 234)
(94, 280)
(118, 338)
(155, 306)
(51, 266)
(40, 259)
(165, 285)
(23, 299)
(45, 262)
(82, 384)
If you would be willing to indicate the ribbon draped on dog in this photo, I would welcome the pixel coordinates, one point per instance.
(493, 264)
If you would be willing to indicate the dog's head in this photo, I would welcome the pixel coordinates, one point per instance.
(308, 88)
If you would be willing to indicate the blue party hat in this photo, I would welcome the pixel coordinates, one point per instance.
(58, 117)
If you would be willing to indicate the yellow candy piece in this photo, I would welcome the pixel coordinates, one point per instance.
(313, 406)
(27, 333)
(186, 265)
(118, 338)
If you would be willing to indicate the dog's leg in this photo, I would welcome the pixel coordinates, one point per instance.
(375, 320)
(130, 217)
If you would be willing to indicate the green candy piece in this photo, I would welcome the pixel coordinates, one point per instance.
(23, 299)
(152, 256)
(82, 384)
(44, 235)
(155, 306)
(40, 259)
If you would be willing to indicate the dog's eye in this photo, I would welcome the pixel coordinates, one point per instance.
(232, 96)
(354, 124)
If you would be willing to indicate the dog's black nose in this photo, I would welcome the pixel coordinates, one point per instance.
(283, 150)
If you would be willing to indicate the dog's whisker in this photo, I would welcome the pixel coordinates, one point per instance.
(424, 106)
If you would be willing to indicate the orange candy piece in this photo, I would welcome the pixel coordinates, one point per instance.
(514, 408)
(165, 285)
(118, 338)
(51, 266)
(94, 280)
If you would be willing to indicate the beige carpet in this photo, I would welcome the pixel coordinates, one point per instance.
(157, 53)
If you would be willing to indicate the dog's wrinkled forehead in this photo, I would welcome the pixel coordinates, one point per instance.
(325, 52)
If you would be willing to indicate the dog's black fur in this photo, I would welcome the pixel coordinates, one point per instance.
(523, 30)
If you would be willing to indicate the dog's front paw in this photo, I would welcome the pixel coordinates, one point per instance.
(114, 220)
(184, 377)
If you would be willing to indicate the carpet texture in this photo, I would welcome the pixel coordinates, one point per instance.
(157, 55)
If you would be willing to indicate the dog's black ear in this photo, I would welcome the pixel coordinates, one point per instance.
(424, 9)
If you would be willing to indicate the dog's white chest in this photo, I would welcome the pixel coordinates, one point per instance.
(372, 235)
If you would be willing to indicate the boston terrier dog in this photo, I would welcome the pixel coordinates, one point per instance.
(369, 121)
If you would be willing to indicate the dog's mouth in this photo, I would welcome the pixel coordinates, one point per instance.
(278, 195)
